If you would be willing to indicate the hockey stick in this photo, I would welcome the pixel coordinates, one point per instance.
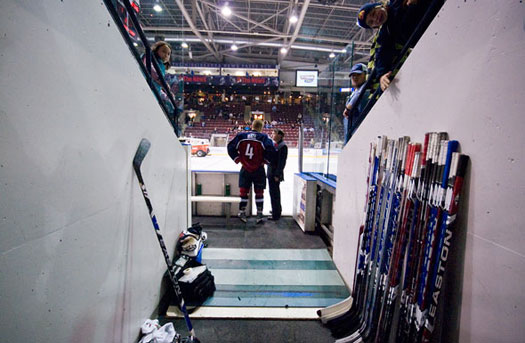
(434, 222)
(347, 323)
(362, 323)
(406, 187)
(142, 150)
(410, 262)
(421, 223)
(435, 243)
(455, 183)
(343, 307)
(433, 236)
(392, 222)
(388, 231)
(408, 304)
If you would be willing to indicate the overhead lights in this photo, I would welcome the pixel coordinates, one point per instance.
(332, 55)
(226, 11)
(157, 8)
(343, 51)
(184, 45)
(293, 18)
(240, 41)
(284, 50)
(234, 47)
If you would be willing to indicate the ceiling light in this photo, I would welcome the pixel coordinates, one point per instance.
(332, 55)
(284, 50)
(226, 11)
(184, 45)
(263, 43)
(234, 47)
(293, 19)
(157, 8)
(343, 51)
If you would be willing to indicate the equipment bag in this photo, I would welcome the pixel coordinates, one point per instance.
(195, 280)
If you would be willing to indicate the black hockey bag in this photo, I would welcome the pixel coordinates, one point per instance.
(195, 280)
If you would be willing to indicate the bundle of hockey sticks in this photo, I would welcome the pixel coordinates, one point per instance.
(404, 242)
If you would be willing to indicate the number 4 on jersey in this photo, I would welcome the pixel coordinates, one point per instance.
(249, 151)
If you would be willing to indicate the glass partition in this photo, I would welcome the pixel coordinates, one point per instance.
(334, 90)
(321, 152)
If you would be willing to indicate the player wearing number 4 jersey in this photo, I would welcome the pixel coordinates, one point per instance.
(252, 149)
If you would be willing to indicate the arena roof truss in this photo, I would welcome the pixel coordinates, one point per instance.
(260, 29)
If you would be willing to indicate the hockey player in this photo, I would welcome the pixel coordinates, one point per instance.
(252, 149)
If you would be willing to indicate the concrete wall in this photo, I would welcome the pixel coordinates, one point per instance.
(79, 261)
(464, 77)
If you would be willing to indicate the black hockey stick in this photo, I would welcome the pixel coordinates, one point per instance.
(429, 170)
(344, 307)
(386, 224)
(411, 255)
(391, 224)
(406, 187)
(433, 233)
(360, 322)
(455, 183)
(142, 150)
(350, 321)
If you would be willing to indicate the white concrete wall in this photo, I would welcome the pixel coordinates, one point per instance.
(466, 77)
(79, 261)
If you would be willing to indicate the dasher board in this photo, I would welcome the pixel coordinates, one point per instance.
(248, 313)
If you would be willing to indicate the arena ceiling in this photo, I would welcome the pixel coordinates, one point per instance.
(260, 29)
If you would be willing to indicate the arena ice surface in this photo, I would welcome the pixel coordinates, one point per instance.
(313, 161)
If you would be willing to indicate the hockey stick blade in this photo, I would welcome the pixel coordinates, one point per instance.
(142, 150)
(335, 310)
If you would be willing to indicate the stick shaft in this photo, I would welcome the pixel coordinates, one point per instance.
(137, 162)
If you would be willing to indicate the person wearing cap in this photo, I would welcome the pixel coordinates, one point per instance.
(357, 78)
(396, 21)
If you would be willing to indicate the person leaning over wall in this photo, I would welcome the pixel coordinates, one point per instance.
(162, 52)
(395, 21)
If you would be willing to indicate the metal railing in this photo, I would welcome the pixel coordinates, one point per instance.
(147, 65)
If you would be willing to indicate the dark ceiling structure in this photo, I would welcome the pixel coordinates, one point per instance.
(257, 31)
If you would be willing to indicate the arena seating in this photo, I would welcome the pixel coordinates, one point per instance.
(211, 120)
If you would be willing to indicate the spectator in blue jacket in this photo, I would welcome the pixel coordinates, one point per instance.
(357, 78)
